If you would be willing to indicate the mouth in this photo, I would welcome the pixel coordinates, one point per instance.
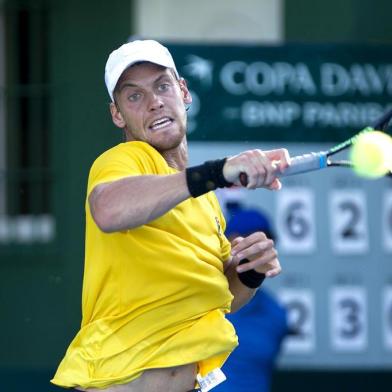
(161, 123)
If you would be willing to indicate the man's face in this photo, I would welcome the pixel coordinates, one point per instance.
(151, 106)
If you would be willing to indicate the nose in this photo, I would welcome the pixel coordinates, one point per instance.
(155, 102)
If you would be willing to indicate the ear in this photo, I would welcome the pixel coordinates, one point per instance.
(186, 95)
(117, 117)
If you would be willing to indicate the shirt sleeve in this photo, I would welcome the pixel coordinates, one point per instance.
(120, 162)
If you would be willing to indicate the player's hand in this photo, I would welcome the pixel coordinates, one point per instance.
(259, 250)
(260, 167)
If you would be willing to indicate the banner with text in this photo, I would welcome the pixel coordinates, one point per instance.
(291, 92)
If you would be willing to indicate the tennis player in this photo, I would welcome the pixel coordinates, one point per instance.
(159, 273)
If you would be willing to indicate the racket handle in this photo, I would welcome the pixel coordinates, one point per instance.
(299, 164)
(305, 163)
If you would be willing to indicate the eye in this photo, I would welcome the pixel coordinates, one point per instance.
(164, 87)
(134, 97)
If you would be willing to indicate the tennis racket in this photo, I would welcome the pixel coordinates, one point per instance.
(322, 159)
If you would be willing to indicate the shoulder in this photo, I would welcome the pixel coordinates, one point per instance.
(128, 150)
(124, 160)
(127, 154)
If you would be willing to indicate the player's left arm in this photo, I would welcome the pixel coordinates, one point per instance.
(263, 258)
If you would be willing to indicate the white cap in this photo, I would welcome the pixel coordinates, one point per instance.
(132, 52)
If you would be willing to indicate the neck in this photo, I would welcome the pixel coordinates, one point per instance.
(177, 158)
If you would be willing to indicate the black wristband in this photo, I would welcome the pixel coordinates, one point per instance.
(206, 177)
(250, 278)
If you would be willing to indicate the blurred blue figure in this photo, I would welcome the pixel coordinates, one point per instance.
(261, 325)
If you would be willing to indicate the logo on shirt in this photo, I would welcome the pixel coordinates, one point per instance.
(218, 226)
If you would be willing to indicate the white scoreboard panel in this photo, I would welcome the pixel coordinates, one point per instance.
(334, 234)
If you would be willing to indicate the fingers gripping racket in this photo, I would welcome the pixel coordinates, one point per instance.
(322, 159)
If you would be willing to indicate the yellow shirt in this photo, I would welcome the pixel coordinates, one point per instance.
(154, 296)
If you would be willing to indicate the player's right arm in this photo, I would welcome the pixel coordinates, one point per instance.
(136, 200)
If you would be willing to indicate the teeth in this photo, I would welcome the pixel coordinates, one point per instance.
(160, 123)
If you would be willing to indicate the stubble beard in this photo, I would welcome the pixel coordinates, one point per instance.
(171, 142)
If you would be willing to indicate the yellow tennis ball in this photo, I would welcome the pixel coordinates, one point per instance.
(371, 154)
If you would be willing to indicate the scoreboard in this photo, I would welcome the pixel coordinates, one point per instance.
(334, 238)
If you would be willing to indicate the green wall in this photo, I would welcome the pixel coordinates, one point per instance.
(41, 285)
(348, 21)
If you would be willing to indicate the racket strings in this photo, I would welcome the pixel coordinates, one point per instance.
(381, 125)
(347, 143)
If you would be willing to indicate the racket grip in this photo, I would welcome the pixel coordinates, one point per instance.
(299, 164)
(305, 163)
